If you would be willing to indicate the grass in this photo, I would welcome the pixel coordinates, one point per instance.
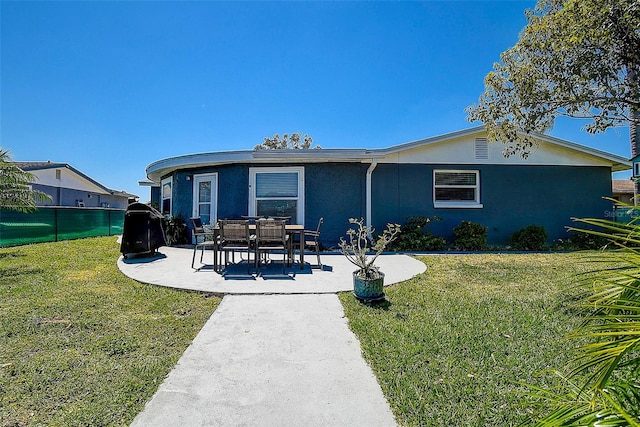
(455, 345)
(80, 343)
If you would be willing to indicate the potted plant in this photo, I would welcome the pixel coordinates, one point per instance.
(368, 280)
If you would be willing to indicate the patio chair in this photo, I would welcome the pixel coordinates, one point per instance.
(311, 241)
(271, 236)
(235, 237)
(286, 219)
(208, 241)
(251, 219)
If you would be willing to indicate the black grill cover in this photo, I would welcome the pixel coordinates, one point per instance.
(142, 232)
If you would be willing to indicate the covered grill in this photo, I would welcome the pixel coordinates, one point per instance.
(142, 233)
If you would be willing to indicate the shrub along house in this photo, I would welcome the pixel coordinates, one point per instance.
(457, 176)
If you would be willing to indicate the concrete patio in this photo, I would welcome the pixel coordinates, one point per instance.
(171, 267)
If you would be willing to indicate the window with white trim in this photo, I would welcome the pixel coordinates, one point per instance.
(166, 186)
(456, 189)
(277, 192)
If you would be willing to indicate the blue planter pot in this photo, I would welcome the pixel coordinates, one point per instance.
(369, 290)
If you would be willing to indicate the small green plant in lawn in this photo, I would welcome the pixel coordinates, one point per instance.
(469, 236)
(415, 236)
(80, 343)
(530, 238)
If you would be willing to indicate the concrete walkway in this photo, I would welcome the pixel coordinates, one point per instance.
(271, 360)
(276, 352)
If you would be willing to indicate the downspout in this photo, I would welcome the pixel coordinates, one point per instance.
(372, 166)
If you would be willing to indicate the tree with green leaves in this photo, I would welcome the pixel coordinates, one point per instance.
(574, 58)
(294, 141)
(15, 189)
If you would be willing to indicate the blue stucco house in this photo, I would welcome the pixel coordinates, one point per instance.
(456, 176)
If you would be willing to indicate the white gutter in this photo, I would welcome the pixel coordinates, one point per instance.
(372, 166)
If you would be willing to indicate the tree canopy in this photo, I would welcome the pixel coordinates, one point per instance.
(15, 190)
(293, 141)
(574, 58)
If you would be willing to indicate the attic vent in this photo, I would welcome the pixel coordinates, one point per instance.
(58, 174)
(482, 149)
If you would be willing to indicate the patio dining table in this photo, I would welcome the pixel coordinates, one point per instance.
(291, 229)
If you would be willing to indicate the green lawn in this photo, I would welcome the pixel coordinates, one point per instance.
(80, 343)
(453, 346)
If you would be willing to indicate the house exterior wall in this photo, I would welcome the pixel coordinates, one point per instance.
(513, 196)
(62, 196)
(335, 191)
(67, 179)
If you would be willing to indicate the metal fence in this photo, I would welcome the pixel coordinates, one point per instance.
(51, 224)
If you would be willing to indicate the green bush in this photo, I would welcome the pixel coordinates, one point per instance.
(415, 237)
(470, 236)
(530, 238)
(586, 241)
(175, 230)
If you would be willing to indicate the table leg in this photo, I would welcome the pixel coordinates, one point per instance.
(301, 249)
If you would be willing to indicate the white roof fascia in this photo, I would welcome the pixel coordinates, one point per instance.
(317, 155)
(431, 140)
(156, 170)
(619, 163)
(623, 162)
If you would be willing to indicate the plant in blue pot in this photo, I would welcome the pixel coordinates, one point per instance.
(362, 250)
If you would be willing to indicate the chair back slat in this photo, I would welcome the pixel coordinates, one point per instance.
(270, 231)
(234, 230)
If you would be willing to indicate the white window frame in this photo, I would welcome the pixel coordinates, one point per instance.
(170, 198)
(214, 194)
(465, 204)
(253, 172)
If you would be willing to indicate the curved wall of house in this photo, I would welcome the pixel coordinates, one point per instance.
(334, 191)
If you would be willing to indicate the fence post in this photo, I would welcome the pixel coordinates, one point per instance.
(55, 221)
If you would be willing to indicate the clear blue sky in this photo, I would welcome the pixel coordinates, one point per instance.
(110, 87)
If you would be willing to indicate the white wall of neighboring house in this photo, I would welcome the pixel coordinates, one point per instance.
(67, 179)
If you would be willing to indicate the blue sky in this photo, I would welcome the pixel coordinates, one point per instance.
(110, 87)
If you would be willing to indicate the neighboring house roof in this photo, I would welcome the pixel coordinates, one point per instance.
(34, 167)
(450, 148)
(622, 186)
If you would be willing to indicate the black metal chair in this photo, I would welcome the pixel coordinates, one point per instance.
(209, 240)
(311, 241)
(272, 236)
(235, 237)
